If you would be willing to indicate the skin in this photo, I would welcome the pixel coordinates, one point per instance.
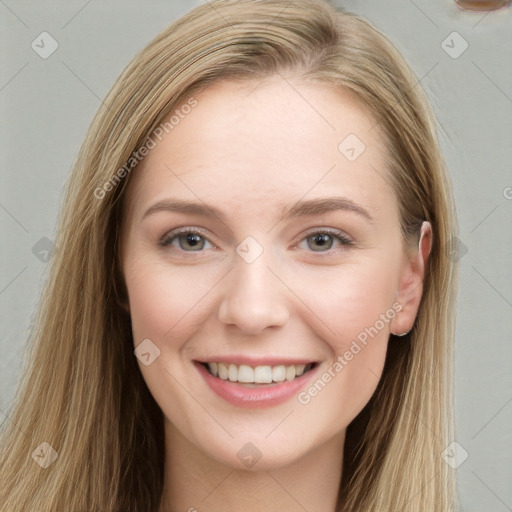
(252, 150)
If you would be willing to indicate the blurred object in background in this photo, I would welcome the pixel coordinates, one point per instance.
(482, 5)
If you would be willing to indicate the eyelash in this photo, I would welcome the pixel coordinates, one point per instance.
(168, 238)
(334, 233)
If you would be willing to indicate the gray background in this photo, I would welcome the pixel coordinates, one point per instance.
(47, 105)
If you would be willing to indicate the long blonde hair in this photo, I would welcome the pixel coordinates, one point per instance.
(82, 391)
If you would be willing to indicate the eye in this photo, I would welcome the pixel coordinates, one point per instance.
(189, 240)
(323, 241)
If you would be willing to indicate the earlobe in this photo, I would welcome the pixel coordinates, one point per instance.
(410, 286)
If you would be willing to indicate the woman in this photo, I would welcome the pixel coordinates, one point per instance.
(252, 298)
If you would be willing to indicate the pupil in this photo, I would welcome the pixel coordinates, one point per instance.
(191, 240)
(322, 241)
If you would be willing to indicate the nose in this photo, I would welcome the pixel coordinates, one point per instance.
(253, 298)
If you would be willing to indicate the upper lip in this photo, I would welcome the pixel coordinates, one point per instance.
(256, 361)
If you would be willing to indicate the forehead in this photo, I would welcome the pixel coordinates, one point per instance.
(266, 143)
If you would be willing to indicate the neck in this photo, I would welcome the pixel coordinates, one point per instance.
(194, 482)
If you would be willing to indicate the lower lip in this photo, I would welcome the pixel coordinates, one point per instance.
(257, 397)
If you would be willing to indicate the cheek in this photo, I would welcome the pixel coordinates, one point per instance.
(357, 352)
(350, 299)
(164, 301)
(342, 389)
(355, 305)
(167, 307)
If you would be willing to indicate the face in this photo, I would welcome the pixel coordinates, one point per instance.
(265, 269)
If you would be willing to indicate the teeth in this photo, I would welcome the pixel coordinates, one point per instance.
(223, 370)
(299, 369)
(233, 372)
(259, 374)
(263, 374)
(245, 374)
(279, 373)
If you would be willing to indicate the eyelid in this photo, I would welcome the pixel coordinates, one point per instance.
(341, 236)
(167, 237)
(336, 233)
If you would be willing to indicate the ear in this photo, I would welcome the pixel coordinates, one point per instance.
(410, 286)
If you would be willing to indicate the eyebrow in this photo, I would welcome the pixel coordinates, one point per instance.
(301, 208)
(325, 205)
(181, 206)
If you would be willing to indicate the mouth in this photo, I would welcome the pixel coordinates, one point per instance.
(255, 376)
(256, 386)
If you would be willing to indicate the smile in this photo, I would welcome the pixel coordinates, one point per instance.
(245, 374)
(256, 385)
